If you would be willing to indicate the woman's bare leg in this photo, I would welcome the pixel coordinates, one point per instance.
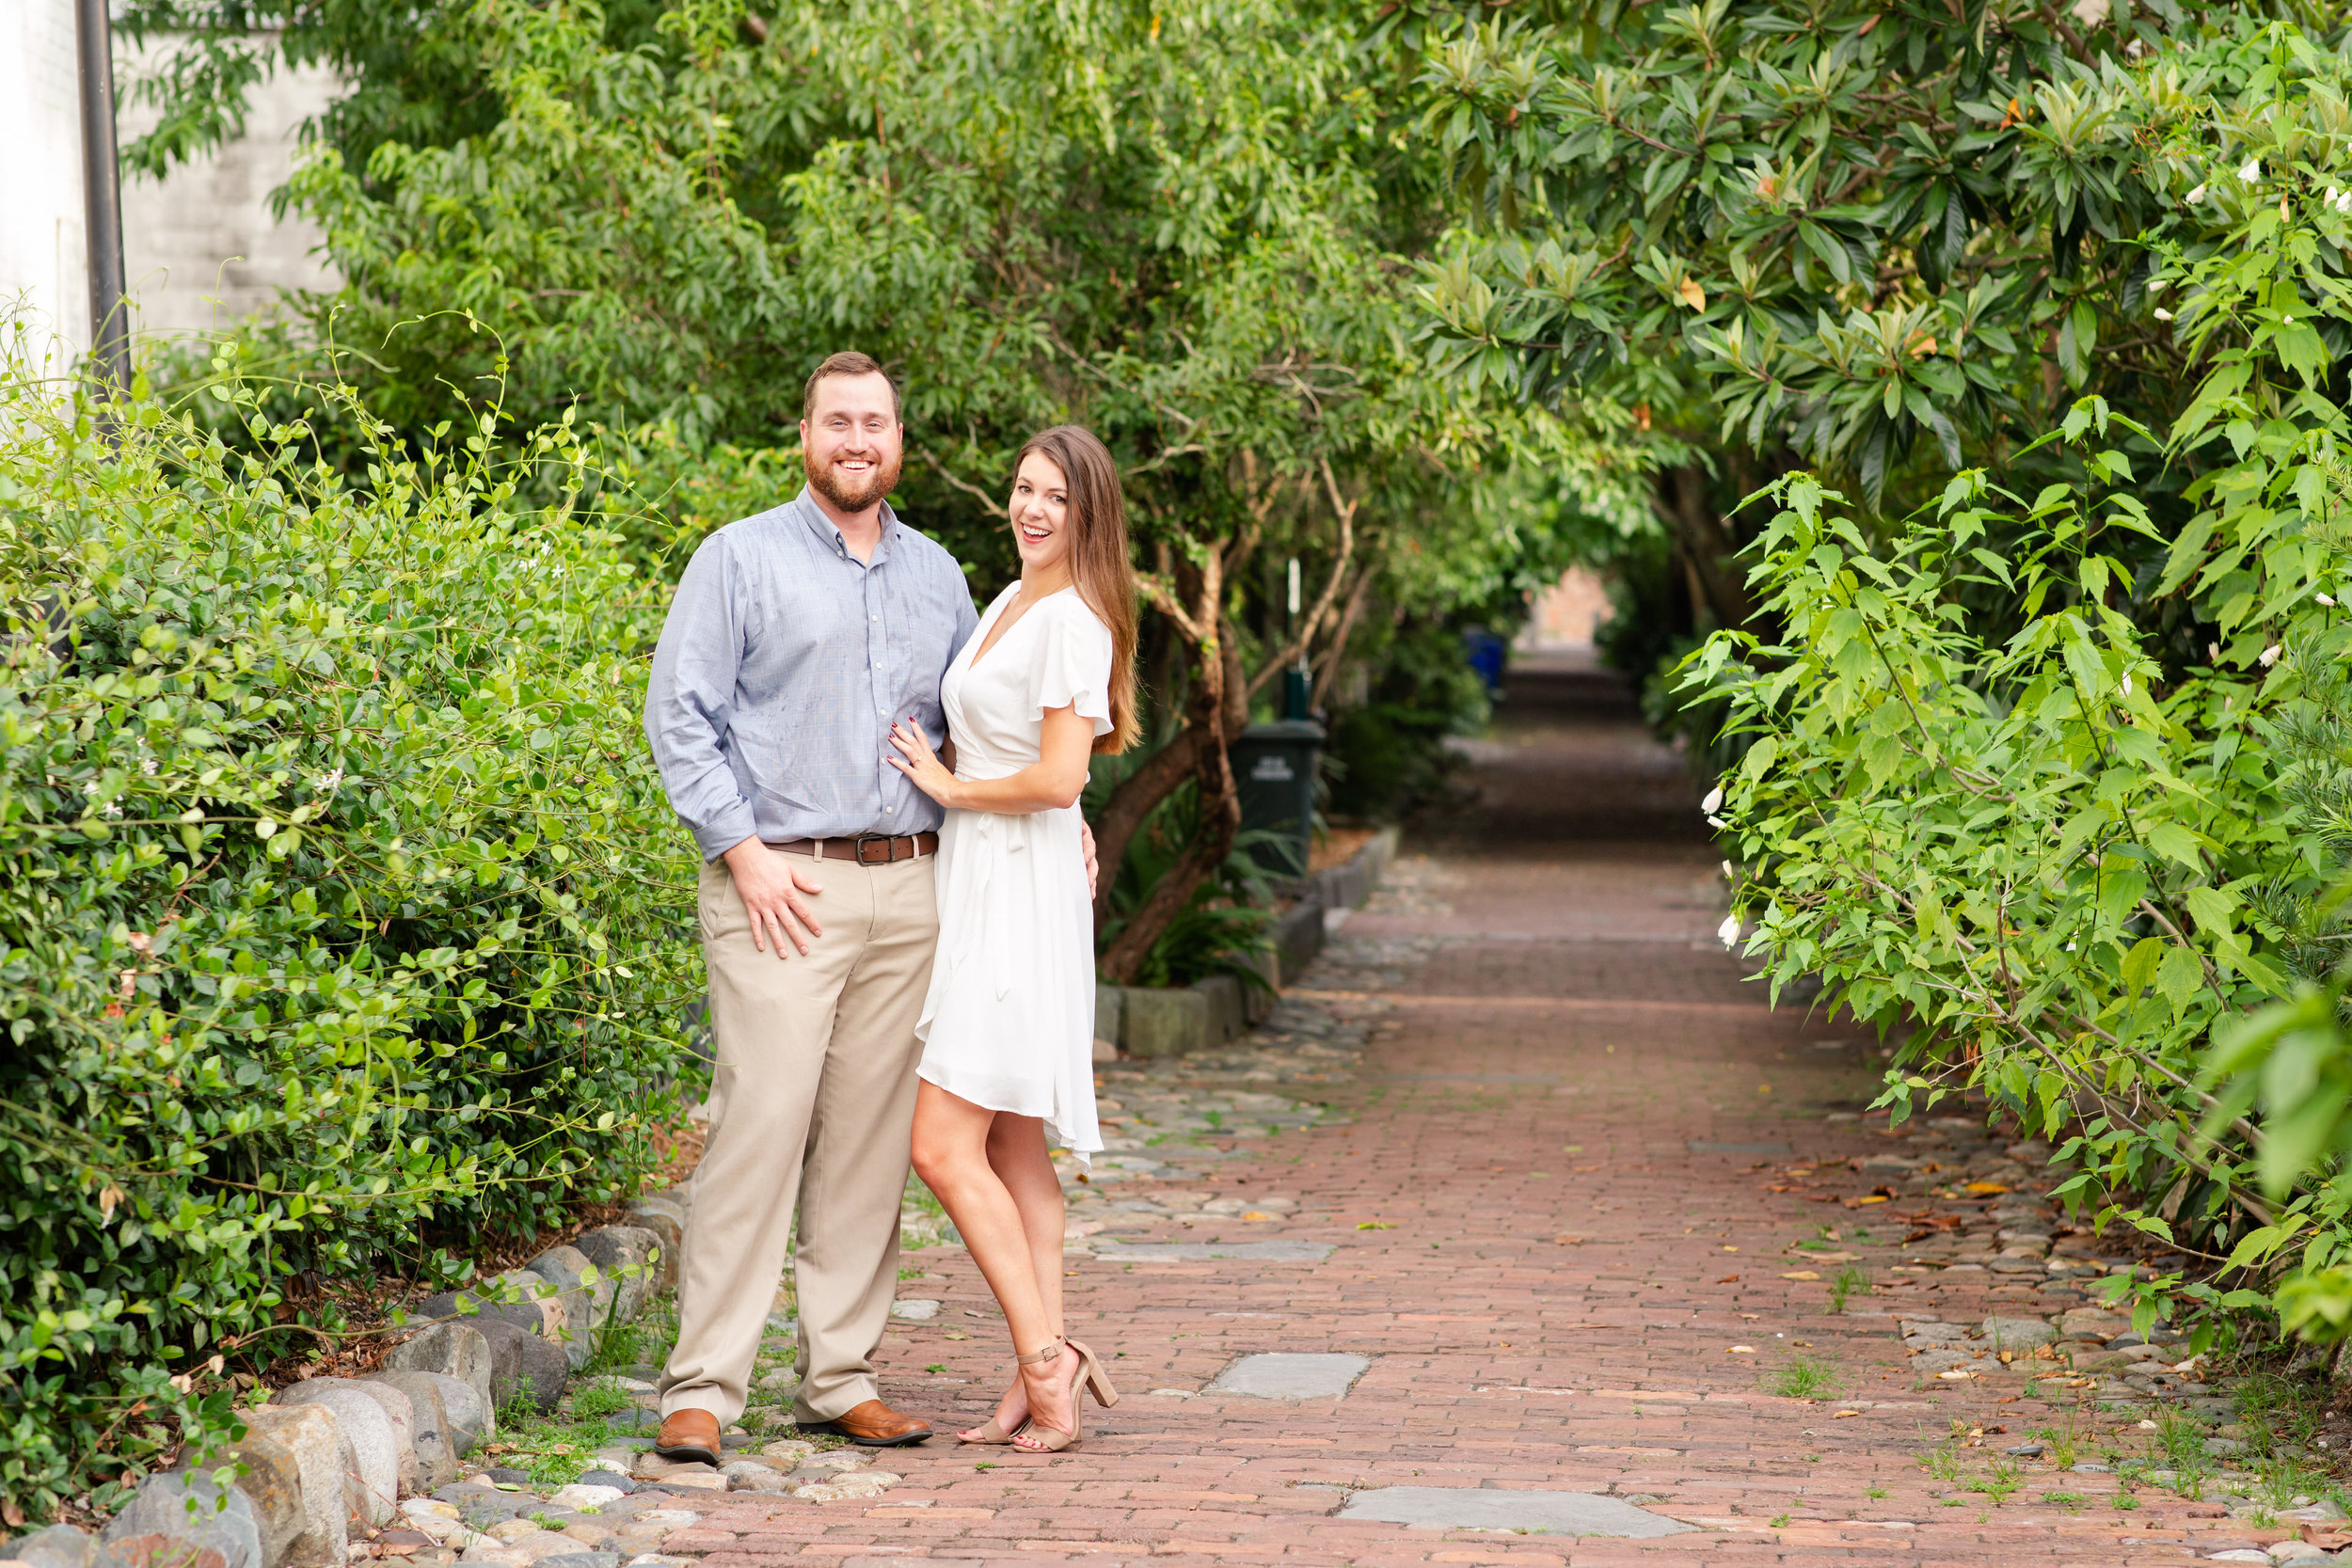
(951, 1153)
(1016, 1151)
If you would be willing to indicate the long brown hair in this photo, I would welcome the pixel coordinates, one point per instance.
(1097, 560)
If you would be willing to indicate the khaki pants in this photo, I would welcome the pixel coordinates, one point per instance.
(812, 1102)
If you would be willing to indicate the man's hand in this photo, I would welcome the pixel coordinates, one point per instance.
(772, 893)
(1086, 841)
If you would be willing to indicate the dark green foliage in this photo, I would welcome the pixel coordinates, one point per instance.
(1388, 754)
(340, 915)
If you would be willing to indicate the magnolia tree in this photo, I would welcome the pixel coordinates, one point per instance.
(1883, 244)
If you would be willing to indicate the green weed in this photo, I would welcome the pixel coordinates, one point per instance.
(1850, 1281)
(1999, 1480)
(1805, 1377)
(601, 1398)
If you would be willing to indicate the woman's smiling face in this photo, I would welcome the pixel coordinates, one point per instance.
(1039, 512)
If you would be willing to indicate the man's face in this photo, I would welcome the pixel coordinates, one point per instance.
(851, 442)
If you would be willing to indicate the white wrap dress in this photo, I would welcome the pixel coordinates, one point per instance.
(1009, 1020)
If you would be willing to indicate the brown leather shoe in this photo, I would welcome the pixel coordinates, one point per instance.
(689, 1434)
(871, 1425)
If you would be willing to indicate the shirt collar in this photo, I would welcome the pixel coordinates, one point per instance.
(830, 535)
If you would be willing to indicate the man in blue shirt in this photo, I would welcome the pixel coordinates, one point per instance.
(797, 639)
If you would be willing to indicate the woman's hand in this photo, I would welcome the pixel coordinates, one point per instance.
(921, 765)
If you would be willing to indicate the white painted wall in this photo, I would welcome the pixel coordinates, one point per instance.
(41, 251)
(200, 249)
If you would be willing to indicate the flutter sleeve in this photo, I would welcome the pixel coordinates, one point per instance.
(1074, 665)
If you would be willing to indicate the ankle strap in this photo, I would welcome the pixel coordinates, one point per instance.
(1036, 1356)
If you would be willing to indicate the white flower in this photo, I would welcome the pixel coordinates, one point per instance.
(147, 765)
(2164, 315)
(1713, 802)
(2340, 200)
(2326, 600)
(2195, 196)
(1726, 871)
(1728, 932)
(2286, 321)
(2253, 170)
(113, 808)
(328, 782)
(2127, 685)
(2270, 656)
(2213, 652)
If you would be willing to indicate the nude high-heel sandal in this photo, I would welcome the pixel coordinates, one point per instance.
(1091, 1376)
(1048, 1440)
(993, 1434)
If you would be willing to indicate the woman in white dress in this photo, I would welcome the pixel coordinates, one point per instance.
(1045, 681)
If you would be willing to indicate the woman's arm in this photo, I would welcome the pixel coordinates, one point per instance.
(1053, 782)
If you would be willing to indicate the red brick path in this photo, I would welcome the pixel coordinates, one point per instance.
(1549, 1285)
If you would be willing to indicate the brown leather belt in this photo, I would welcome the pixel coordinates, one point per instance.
(872, 849)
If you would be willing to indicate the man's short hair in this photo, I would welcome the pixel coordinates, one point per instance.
(847, 362)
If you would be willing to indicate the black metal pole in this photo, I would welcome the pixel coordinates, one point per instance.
(101, 198)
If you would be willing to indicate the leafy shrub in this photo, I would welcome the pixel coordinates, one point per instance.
(1225, 927)
(2059, 776)
(1388, 756)
(340, 909)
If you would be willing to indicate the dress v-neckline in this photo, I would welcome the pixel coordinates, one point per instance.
(987, 646)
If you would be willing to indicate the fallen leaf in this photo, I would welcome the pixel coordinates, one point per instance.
(1731, 1249)
(1985, 1188)
(1802, 1274)
(1741, 1350)
(1695, 297)
(1728, 1279)
(1843, 1414)
(1569, 1241)
(1374, 1224)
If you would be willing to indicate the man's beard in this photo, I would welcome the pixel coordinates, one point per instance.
(879, 481)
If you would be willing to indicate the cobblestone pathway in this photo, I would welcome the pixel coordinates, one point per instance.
(1575, 1201)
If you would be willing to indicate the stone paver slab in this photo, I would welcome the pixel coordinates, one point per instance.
(1484, 1508)
(1278, 1375)
(1203, 1252)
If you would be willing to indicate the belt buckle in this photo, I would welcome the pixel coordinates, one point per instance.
(888, 845)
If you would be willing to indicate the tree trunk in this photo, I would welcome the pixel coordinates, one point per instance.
(1217, 686)
(1213, 839)
(1703, 547)
(1142, 790)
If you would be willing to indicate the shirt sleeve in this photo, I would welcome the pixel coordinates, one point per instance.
(1074, 667)
(690, 701)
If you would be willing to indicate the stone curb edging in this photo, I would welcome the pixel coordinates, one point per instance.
(329, 1454)
(1150, 1022)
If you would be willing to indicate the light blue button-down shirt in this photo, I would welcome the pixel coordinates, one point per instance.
(783, 664)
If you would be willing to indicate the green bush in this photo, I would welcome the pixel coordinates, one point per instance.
(341, 913)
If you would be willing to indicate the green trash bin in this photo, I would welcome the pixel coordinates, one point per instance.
(1275, 766)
